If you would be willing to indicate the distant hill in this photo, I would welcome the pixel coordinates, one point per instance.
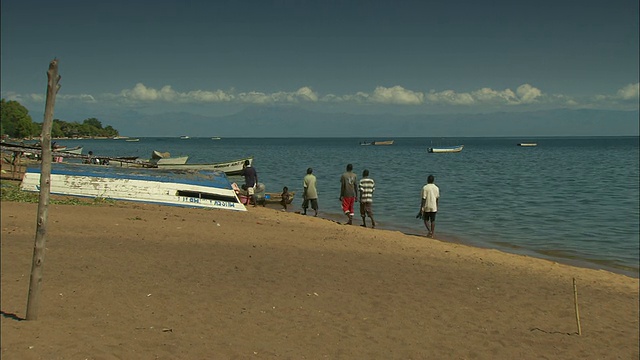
(295, 122)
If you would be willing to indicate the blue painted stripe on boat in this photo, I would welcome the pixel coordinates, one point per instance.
(216, 179)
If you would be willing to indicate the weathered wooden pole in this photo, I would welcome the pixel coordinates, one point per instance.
(37, 262)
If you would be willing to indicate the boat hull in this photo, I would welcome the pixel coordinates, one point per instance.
(197, 190)
(233, 167)
(451, 149)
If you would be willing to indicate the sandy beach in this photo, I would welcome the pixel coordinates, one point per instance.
(136, 281)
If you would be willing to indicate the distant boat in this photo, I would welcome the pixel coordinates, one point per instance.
(184, 137)
(386, 142)
(215, 138)
(203, 189)
(446, 149)
(528, 144)
(132, 140)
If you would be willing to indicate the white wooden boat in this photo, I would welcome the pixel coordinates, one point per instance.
(446, 149)
(205, 189)
(184, 137)
(528, 144)
(76, 150)
(233, 167)
(158, 158)
(132, 140)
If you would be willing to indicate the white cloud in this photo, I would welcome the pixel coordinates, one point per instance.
(524, 94)
(396, 95)
(528, 94)
(450, 97)
(629, 92)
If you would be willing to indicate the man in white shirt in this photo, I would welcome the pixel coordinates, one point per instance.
(429, 205)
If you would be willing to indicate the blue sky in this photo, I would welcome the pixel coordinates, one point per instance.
(400, 57)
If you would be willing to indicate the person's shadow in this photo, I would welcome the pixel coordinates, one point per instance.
(11, 316)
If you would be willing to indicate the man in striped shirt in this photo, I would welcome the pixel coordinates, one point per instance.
(366, 186)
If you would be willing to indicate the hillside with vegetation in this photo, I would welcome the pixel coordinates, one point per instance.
(15, 122)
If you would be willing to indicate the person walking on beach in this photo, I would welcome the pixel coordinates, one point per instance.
(429, 205)
(366, 186)
(250, 180)
(348, 192)
(310, 194)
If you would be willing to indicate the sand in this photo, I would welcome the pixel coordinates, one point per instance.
(135, 281)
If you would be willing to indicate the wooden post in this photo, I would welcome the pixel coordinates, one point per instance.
(575, 303)
(37, 262)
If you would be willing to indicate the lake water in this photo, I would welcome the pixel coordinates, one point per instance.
(572, 200)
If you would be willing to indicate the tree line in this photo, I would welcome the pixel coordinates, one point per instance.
(15, 122)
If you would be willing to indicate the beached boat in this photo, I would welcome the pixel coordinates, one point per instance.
(205, 189)
(446, 149)
(75, 150)
(527, 144)
(386, 142)
(233, 167)
(276, 198)
(159, 158)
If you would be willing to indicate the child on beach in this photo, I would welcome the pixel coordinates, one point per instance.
(285, 198)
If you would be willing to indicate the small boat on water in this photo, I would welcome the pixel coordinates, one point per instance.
(184, 137)
(366, 143)
(233, 167)
(386, 142)
(215, 138)
(446, 149)
(527, 144)
(132, 140)
(205, 189)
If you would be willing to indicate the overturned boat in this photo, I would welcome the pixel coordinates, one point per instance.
(197, 189)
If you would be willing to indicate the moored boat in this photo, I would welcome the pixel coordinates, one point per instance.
(233, 167)
(184, 137)
(446, 149)
(527, 144)
(386, 142)
(159, 158)
(204, 189)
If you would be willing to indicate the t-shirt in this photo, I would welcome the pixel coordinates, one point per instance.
(309, 183)
(430, 193)
(250, 176)
(367, 186)
(348, 184)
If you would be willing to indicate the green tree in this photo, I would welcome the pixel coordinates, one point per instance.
(93, 122)
(15, 119)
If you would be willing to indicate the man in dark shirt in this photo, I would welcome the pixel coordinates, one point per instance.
(250, 180)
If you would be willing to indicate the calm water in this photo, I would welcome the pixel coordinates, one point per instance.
(573, 200)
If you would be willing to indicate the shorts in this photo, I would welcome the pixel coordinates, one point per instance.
(431, 216)
(366, 208)
(347, 205)
(314, 204)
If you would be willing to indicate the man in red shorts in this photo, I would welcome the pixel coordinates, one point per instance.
(348, 192)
